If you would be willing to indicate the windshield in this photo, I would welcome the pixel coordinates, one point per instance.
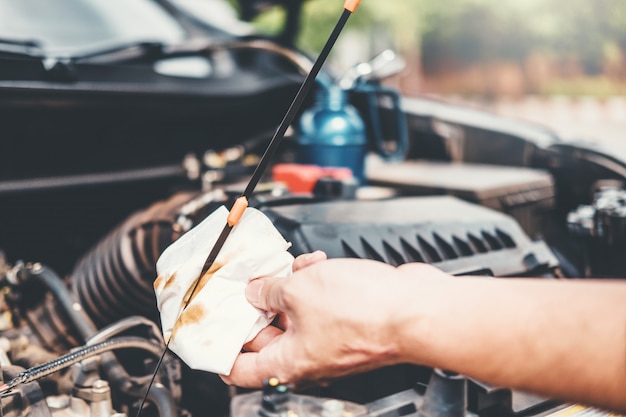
(68, 27)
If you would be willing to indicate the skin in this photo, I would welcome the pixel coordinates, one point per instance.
(561, 339)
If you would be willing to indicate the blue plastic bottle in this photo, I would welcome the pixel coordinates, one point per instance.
(332, 134)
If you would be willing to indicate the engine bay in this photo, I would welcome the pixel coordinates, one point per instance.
(106, 162)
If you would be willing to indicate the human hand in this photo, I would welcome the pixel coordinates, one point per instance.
(280, 324)
(339, 317)
(344, 316)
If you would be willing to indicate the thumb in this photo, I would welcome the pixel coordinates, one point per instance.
(266, 294)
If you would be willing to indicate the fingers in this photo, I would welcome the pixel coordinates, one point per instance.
(308, 259)
(261, 340)
(246, 372)
(267, 294)
(252, 368)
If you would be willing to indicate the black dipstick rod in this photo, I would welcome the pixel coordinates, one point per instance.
(241, 203)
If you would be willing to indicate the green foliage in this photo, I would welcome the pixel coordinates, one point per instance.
(271, 21)
(399, 17)
(466, 32)
(403, 19)
(472, 31)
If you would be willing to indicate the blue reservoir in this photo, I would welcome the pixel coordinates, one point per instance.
(332, 133)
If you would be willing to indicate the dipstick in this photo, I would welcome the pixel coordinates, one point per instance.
(242, 202)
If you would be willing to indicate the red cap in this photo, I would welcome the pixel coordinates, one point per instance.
(302, 178)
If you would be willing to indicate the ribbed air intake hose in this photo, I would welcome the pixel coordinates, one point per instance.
(115, 279)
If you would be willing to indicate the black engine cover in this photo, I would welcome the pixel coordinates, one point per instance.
(454, 235)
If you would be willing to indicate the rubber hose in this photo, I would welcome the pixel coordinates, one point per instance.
(55, 284)
(161, 397)
(67, 360)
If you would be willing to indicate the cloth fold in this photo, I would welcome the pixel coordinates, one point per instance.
(218, 321)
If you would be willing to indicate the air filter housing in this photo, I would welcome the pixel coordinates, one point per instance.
(449, 233)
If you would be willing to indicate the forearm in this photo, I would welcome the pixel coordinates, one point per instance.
(565, 340)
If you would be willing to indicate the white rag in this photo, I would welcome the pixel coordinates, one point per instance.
(218, 321)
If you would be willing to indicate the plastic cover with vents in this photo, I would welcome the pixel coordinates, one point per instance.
(452, 234)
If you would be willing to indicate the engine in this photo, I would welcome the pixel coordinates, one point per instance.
(104, 314)
(107, 161)
(86, 342)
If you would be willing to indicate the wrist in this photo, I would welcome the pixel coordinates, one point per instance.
(425, 301)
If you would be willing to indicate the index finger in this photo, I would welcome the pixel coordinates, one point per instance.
(308, 259)
(246, 372)
(252, 368)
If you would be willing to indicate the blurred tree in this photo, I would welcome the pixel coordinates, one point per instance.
(577, 37)
(477, 30)
(472, 32)
(400, 17)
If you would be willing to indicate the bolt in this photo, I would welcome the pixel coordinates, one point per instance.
(100, 387)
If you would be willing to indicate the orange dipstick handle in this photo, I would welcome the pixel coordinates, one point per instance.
(351, 5)
(237, 211)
